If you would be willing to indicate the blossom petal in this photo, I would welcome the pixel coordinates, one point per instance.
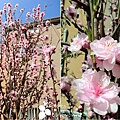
(110, 93)
(82, 97)
(109, 64)
(117, 100)
(99, 63)
(101, 108)
(116, 71)
(105, 80)
(78, 84)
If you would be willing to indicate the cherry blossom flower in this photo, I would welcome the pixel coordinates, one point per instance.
(13, 94)
(46, 37)
(96, 90)
(48, 50)
(47, 23)
(105, 50)
(79, 42)
(17, 56)
(78, 22)
(71, 12)
(21, 10)
(28, 14)
(16, 5)
(65, 84)
(43, 112)
(74, 3)
(90, 114)
(107, 55)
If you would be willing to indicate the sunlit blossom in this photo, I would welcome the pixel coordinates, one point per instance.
(96, 90)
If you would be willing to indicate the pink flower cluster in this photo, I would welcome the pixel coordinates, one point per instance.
(71, 12)
(79, 42)
(48, 50)
(107, 54)
(97, 92)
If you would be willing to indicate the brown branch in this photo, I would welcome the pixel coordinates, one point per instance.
(65, 43)
(83, 6)
(116, 33)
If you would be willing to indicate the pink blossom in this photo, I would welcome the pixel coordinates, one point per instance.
(47, 23)
(46, 37)
(13, 93)
(74, 3)
(42, 14)
(90, 113)
(118, 53)
(96, 90)
(28, 14)
(17, 56)
(79, 22)
(65, 84)
(26, 43)
(89, 60)
(16, 5)
(33, 65)
(105, 50)
(21, 10)
(104, 18)
(9, 5)
(116, 71)
(71, 12)
(111, 63)
(48, 50)
(79, 42)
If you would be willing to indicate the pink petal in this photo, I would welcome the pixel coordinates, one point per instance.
(117, 100)
(78, 84)
(101, 108)
(105, 80)
(116, 71)
(109, 64)
(99, 63)
(82, 97)
(110, 92)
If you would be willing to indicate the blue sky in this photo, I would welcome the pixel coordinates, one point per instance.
(52, 10)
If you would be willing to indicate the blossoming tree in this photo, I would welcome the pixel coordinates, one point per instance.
(98, 88)
(26, 66)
